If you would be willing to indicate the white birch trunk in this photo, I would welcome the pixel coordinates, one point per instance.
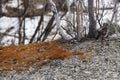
(116, 27)
(64, 35)
(79, 20)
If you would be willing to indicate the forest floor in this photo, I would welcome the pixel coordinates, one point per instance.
(58, 60)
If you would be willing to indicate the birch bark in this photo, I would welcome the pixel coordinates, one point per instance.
(53, 8)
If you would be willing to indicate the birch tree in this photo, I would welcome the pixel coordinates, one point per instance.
(53, 8)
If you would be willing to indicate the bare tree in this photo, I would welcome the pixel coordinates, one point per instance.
(92, 22)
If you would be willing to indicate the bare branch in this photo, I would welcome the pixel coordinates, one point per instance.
(38, 27)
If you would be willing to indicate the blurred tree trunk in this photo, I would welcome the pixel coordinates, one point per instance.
(116, 5)
(79, 20)
(92, 22)
(0, 8)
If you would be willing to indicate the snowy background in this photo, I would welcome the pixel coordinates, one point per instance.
(31, 24)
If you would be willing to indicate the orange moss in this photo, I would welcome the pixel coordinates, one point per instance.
(65, 55)
(79, 53)
(23, 57)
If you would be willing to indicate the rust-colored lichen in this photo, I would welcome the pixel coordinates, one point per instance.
(23, 57)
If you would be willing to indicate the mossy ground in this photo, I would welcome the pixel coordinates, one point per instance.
(21, 58)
